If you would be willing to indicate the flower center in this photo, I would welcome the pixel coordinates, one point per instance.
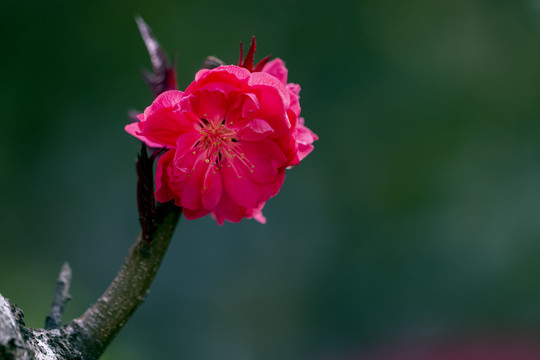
(216, 140)
(219, 147)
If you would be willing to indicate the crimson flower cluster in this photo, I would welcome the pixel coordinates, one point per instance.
(229, 136)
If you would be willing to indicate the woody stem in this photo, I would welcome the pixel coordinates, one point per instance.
(101, 323)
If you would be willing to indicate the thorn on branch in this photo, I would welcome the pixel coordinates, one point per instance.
(61, 297)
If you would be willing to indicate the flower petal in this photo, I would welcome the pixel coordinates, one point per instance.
(271, 84)
(163, 120)
(257, 214)
(226, 78)
(208, 105)
(250, 105)
(212, 187)
(192, 214)
(294, 88)
(185, 143)
(262, 160)
(229, 210)
(304, 138)
(304, 150)
(168, 183)
(255, 130)
(244, 191)
(277, 69)
(191, 192)
(135, 129)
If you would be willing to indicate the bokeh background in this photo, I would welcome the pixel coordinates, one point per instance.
(415, 220)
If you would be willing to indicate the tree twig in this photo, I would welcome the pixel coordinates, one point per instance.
(61, 297)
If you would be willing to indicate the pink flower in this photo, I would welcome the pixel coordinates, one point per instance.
(302, 138)
(230, 136)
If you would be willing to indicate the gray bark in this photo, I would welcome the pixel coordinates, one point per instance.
(87, 336)
(13, 339)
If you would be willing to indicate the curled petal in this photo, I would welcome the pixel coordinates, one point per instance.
(304, 150)
(224, 77)
(136, 129)
(305, 135)
(163, 121)
(277, 69)
(305, 139)
(294, 104)
(270, 83)
(255, 130)
(257, 214)
(294, 88)
(250, 104)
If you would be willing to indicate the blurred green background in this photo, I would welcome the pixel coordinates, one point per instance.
(416, 217)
